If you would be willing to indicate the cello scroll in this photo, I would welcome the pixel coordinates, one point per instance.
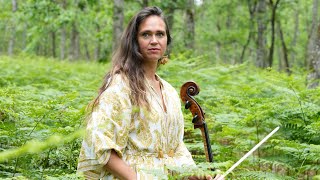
(187, 91)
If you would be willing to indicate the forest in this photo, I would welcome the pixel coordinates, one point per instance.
(257, 63)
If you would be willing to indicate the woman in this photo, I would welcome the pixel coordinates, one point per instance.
(136, 124)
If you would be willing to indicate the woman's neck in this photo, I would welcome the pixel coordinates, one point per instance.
(150, 72)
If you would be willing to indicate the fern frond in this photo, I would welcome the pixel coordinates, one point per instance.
(263, 175)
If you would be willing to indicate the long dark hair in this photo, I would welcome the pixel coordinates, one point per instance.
(127, 60)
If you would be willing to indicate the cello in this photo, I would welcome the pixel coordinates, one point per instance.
(187, 91)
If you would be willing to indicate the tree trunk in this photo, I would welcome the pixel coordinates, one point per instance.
(63, 35)
(75, 46)
(11, 41)
(295, 35)
(117, 23)
(252, 9)
(280, 54)
(314, 77)
(284, 50)
(190, 31)
(97, 49)
(170, 15)
(37, 48)
(218, 43)
(312, 36)
(12, 29)
(75, 35)
(144, 3)
(24, 37)
(63, 43)
(273, 20)
(53, 46)
(86, 47)
(44, 46)
(313, 55)
(261, 41)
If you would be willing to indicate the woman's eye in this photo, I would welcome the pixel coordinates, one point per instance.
(145, 35)
(160, 34)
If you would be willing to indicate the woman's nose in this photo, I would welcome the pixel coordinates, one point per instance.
(154, 40)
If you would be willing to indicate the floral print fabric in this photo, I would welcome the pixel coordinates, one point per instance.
(148, 141)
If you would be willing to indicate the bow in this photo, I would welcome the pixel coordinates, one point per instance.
(190, 89)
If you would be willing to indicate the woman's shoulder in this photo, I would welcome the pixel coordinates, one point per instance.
(117, 92)
(119, 80)
(118, 83)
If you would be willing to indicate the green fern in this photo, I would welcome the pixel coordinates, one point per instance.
(40, 98)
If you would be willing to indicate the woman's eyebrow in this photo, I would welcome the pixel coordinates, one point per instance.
(148, 31)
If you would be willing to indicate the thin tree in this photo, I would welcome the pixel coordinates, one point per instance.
(97, 49)
(75, 34)
(53, 43)
(273, 20)
(252, 8)
(86, 49)
(261, 41)
(75, 44)
(117, 22)
(312, 35)
(190, 25)
(295, 34)
(314, 76)
(170, 12)
(284, 49)
(63, 34)
(13, 30)
(144, 3)
(314, 49)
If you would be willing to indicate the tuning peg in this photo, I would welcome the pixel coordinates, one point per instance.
(187, 105)
(195, 118)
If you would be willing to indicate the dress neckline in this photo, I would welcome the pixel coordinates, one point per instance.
(160, 98)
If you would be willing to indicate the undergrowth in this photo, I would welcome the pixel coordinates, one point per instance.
(43, 101)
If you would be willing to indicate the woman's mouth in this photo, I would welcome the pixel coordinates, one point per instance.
(154, 50)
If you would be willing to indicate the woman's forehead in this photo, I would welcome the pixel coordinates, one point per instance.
(152, 23)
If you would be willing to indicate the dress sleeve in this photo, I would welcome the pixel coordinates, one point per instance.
(183, 156)
(107, 128)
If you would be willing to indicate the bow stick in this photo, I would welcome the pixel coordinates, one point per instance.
(248, 153)
(188, 90)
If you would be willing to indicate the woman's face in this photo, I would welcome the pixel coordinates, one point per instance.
(152, 38)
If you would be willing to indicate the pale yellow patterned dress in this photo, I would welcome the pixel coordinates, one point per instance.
(138, 137)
